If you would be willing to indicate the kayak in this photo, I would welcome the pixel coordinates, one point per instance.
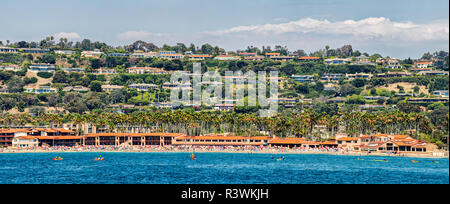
(379, 160)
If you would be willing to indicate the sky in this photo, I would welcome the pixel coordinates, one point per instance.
(395, 28)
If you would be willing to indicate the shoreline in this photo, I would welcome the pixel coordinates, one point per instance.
(408, 155)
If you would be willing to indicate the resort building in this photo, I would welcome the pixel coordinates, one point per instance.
(281, 58)
(64, 52)
(42, 68)
(420, 69)
(226, 57)
(376, 97)
(433, 73)
(348, 143)
(301, 143)
(7, 135)
(118, 54)
(336, 61)
(303, 78)
(13, 68)
(144, 54)
(331, 77)
(167, 52)
(380, 61)
(427, 100)
(26, 137)
(171, 56)
(109, 88)
(168, 85)
(34, 50)
(24, 142)
(40, 89)
(143, 87)
(8, 50)
(95, 53)
(73, 69)
(358, 76)
(394, 74)
(393, 63)
(272, 54)
(199, 57)
(287, 142)
(222, 140)
(76, 88)
(254, 58)
(34, 141)
(381, 143)
(423, 64)
(306, 58)
(440, 93)
(224, 107)
(131, 139)
(362, 58)
(394, 144)
(104, 71)
(31, 138)
(146, 70)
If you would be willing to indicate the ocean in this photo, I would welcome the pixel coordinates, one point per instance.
(218, 168)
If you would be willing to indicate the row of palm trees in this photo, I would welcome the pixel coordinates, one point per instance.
(304, 124)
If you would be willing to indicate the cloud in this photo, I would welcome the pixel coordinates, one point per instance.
(70, 36)
(372, 35)
(376, 28)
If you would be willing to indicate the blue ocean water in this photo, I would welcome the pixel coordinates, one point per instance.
(217, 168)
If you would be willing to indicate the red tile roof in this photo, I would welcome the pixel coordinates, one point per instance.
(288, 141)
(347, 139)
(134, 134)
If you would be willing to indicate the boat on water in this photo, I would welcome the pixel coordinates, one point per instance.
(57, 159)
(99, 158)
(281, 159)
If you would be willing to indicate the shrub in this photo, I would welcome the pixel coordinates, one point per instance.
(45, 75)
(31, 80)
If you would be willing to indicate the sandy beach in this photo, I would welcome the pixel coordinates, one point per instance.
(253, 150)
